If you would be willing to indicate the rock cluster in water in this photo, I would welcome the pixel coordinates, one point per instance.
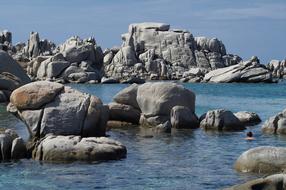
(154, 51)
(74, 120)
(150, 51)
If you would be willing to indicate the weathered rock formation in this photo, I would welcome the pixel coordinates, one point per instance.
(12, 76)
(275, 124)
(76, 61)
(155, 104)
(154, 51)
(249, 71)
(74, 148)
(264, 159)
(47, 107)
(272, 182)
(5, 40)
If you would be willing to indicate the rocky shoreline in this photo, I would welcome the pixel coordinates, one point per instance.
(66, 125)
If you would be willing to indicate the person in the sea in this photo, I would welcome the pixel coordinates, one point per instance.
(249, 136)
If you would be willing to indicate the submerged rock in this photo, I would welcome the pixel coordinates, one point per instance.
(264, 159)
(272, 182)
(275, 124)
(74, 148)
(47, 107)
(221, 120)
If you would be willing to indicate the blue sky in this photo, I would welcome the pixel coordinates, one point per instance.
(247, 27)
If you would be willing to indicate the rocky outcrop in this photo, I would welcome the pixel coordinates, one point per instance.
(76, 60)
(47, 107)
(264, 159)
(12, 76)
(161, 104)
(272, 182)
(248, 118)
(154, 51)
(11, 146)
(250, 71)
(278, 68)
(221, 120)
(74, 148)
(275, 124)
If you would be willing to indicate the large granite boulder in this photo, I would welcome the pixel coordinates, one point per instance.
(12, 75)
(11, 146)
(221, 120)
(48, 107)
(74, 148)
(264, 159)
(275, 124)
(272, 182)
(250, 71)
(248, 118)
(156, 100)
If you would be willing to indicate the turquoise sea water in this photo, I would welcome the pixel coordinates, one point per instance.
(184, 159)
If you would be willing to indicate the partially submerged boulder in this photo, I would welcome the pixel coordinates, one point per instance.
(272, 182)
(264, 159)
(48, 107)
(275, 124)
(183, 118)
(156, 104)
(248, 118)
(74, 148)
(221, 120)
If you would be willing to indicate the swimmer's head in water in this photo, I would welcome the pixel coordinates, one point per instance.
(249, 134)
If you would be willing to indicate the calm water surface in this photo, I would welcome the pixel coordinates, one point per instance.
(182, 160)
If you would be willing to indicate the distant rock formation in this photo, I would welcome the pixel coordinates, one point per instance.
(248, 71)
(278, 68)
(76, 60)
(154, 51)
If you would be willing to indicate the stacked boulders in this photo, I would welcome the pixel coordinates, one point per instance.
(155, 104)
(76, 60)
(154, 51)
(64, 123)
